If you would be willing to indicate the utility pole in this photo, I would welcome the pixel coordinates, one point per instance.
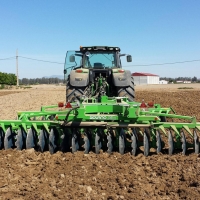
(17, 68)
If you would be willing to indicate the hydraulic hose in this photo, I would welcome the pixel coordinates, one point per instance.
(67, 115)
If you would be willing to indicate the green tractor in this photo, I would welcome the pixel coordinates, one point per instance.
(97, 71)
(100, 114)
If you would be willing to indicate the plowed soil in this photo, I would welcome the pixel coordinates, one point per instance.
(29, 174)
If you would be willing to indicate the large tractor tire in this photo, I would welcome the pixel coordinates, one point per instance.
(73, 93)
(127, 91)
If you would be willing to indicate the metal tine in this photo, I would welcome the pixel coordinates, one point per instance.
(98, 140)
(196, 143)
(170, 143)
(183, 141)
(146, 140)
(134, 143)
(21, 139)
(86, 142)
(122, 139)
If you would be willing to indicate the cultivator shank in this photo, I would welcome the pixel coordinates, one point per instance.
(101, 124)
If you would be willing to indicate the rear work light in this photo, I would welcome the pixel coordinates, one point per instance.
(143, 104)
(150, 104)
(79, 71)
(60, 104)
(68, 105)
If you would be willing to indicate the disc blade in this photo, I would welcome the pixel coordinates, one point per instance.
(134, 142)
(170, 143)
(158, 142)
(43, 140)
(66, 141)
(98, 143)
(53, 140)
(86, 143)
(9, 139)
(146, 143)
(75, 145)
(2, 134)
(183, 140)
(196, 143)
(21, 139)
(31, 139)
(122, 141)
(109, 143)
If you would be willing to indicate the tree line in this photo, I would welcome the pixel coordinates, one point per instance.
(174, 80)
(11, 79)
(8, 79)
(43, 80)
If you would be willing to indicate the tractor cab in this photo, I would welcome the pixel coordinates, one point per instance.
(94, 57)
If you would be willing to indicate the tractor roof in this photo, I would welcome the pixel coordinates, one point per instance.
(99, 48)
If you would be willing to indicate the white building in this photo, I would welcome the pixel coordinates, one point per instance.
(163, 82)
(145, 78)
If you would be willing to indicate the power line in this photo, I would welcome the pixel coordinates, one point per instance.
(170, 63)
(10, 58)
(41, 60)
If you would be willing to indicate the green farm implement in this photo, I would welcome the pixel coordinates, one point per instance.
(108, 124)
(100, 114)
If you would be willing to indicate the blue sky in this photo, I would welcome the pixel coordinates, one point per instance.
(151, 31)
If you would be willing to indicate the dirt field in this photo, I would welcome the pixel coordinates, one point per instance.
(31, 175)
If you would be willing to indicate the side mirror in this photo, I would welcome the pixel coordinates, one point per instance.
(72, 58)
(65, 71)
(129, 58)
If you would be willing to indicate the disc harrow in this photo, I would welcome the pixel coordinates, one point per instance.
(102, 124)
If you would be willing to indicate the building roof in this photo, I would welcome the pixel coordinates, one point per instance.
(143, 74)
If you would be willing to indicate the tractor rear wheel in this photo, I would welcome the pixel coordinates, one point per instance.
(127, 91)
(73, 93)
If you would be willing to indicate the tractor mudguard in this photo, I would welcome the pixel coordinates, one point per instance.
(122, 79)
(79, 79)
